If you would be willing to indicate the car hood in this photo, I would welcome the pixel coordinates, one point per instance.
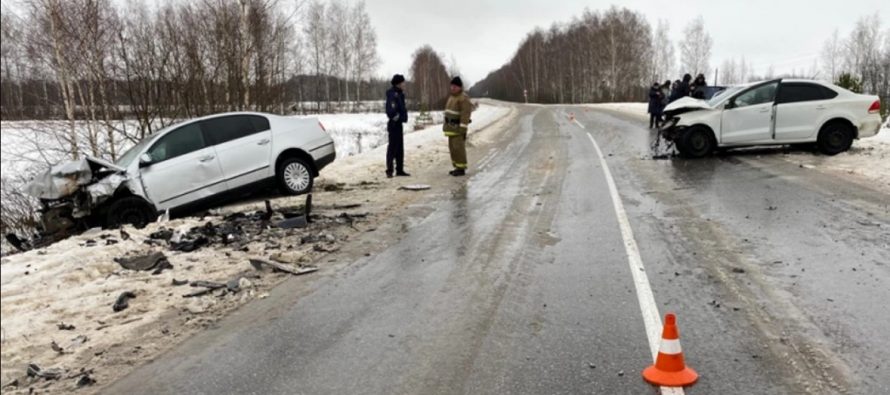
(687, 104)
(67, 178)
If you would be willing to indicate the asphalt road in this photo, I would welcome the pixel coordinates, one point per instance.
(517, 281)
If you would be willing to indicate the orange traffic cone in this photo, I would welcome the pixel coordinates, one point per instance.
(670, 370)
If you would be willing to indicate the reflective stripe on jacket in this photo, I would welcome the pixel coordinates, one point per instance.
(457, 114)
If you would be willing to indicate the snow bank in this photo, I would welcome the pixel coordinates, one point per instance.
(357, 133)
(631, 108)
(359, 167)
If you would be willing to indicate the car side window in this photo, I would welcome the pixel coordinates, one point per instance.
(802, 92)
(260, 123)
(228, 128)
(759, 95)
(184, 140)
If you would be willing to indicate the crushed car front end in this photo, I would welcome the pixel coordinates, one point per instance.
(72, 195)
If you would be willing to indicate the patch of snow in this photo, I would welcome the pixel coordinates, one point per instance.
(358, 167)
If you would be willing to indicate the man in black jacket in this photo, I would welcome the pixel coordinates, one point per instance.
(397, 115)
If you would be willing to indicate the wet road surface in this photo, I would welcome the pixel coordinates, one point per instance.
(517, 281)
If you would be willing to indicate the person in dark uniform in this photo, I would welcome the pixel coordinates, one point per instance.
(397, 115)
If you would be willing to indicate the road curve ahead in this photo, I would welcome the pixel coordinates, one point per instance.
(521, 280)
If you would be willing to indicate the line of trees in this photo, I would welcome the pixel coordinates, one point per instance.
(429, 80)
(100, 61)
(601, 56)
(862, 59)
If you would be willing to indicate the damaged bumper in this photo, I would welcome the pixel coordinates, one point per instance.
(71, 192)
(670, 130)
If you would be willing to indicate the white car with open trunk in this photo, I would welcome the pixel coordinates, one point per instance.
(776, 112)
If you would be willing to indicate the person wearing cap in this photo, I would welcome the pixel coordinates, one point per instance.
(397, 115)
(457, 120)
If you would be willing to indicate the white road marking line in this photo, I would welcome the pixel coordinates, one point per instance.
(578, 123)
(651, 316)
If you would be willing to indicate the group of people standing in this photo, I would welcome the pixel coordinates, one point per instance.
(660, 95)
(457, 121)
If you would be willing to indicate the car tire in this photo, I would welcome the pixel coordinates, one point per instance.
(696, 142)
(129, 210)
(834, 138)
(294, 176)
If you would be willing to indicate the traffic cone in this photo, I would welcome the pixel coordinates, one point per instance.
(669, 369)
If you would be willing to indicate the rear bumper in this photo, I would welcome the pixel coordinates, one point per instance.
(325, 160)
(870, 126)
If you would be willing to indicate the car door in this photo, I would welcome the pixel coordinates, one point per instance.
(800, 110)
(244, 145)
(184, 168)
(748, 117)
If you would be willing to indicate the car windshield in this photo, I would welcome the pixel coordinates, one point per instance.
(127, 158)
(719, 96)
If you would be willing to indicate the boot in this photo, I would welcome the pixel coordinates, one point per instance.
(402, 174)
(458, 172)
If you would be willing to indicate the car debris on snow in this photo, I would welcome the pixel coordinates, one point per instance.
(415, 187)
(156, 261)
(65, 327)
(55, 346)
(123, 301)
(49, 374)
(294, 223)
(259, 263)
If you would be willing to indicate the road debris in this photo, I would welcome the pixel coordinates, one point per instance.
(49, 374)
(55, 346)
(65, 327)
(123, 301)
(85, 379)
(209, 286)
(415, 187)
(156, 261)
(259, 263)
(293, 223)
(177, 283)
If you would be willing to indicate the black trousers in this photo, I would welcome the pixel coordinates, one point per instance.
(654, 120)
(395, 152)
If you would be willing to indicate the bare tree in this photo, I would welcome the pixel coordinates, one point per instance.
(832, 55)
(363, 46)
(695, 48)
(429, 79)
(663, 52)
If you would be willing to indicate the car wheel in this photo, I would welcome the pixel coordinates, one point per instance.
(834, 138)
(129, 210)
(294, 176)
(697, 142)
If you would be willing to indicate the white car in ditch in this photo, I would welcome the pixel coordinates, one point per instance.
(192, 164)
(776, 112)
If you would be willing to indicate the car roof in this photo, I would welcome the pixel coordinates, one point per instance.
(206, 117)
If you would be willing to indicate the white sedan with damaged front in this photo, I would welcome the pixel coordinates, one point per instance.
(192, 164)
(776, 112)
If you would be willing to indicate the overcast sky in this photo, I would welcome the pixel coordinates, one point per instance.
(483, 34)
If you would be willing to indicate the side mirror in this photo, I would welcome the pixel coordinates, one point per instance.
(144, 160)
(729, 105)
